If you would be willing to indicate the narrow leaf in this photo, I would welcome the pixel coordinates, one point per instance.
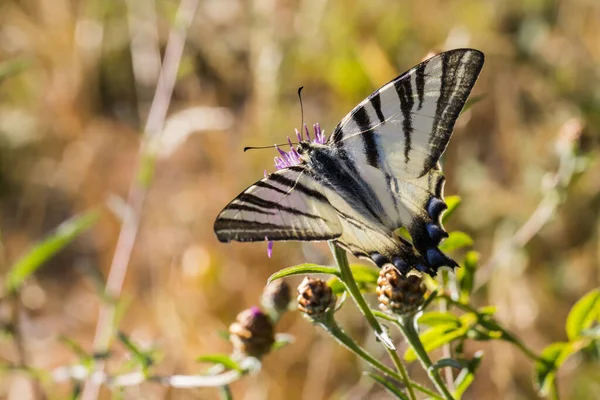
(282, 340)
(436, 337)
(389, 386)
(552, 358)
(583, 314)
(467, 375)
(472, 101)
(304, 269)
(435, 318)
(138, 354)
(455, 241)
(64, 234)
(452, 202)
(364, 275)
(222, 359)
(446, 362)
(466, 275)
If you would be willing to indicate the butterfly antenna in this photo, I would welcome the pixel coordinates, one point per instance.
(267, 147)
(301, 108)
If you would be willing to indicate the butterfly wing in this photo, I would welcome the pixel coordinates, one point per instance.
(406, 124)
(394, 140)
(286, 205)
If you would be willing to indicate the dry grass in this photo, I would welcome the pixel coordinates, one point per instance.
(70, 130)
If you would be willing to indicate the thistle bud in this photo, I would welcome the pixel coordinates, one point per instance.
(252, 333)
(276, 298)
(315, 297)
(398, 294)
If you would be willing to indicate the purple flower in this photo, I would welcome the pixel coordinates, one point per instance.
(290, 158)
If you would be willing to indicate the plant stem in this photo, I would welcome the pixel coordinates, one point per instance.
(408, 327)
(346, 277)
(341, 337)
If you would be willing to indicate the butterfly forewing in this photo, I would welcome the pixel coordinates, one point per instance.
(404, 127)
(286, 205)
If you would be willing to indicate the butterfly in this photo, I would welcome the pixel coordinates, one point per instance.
(378, 171)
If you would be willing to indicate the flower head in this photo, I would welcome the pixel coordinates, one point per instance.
(276, 298)
(290, 158)
(398, 294)
(252, 333)
(315, 297)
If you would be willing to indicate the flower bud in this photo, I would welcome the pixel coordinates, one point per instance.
(252, 333)
(276, 298)
(315, 297)
(398, 294)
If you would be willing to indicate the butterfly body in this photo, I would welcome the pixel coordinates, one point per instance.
(377, 172)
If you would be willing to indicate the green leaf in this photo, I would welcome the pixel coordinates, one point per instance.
(140, 355)
(456, 241)
(364, 275)
(303, 269)
(452, 202)
(434, 338)
(389, 386)
(337, 286)
(466, 275)
(467, 375)
(435, 318)
(487, 310)
(446, 362)
(403, 233)
(472, 101)
(12, 67)
(282, 340)
(552, 358)
(222, 359)
(583, 314)
(64, 234)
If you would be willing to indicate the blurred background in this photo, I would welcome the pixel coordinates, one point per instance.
(76, 83)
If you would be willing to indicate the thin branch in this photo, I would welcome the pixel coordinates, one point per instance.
(137, 193)
(554, 188)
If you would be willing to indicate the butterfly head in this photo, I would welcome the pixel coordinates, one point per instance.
(301, 152)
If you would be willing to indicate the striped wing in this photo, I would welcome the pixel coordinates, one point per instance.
(404, 127)
(286, 205)
(393, 140)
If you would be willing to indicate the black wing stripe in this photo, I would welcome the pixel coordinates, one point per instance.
(271, 205)
(299, 186)
(405, 96)
(375, 100)
(362, 120)
(266, 185)
(243, 207)
(420, 82)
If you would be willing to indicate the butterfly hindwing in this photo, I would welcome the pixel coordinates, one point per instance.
(286, 205)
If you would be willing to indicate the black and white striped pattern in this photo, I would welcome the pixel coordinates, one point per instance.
(286, 205)
(377, 172)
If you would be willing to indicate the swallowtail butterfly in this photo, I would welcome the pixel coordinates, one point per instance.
(378, 171)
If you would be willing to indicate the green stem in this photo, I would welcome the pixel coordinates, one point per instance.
(408, 327)
(341, 337)
(348, 279)
(553, 393)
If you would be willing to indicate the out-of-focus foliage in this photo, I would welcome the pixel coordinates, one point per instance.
(76, 81)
